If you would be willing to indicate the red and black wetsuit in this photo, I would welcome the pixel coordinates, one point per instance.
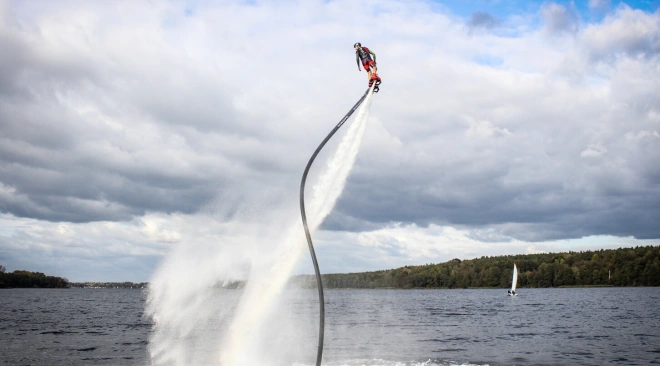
(364, 54)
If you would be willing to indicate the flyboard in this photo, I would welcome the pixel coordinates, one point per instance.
(375, 80)
(319, 284)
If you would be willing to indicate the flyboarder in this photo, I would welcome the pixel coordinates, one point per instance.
(364, 54)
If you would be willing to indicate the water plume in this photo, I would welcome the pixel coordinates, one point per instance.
(196, 322)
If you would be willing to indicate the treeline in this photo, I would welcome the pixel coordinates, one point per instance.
(127, 285)
(639, 266)
(18, 279)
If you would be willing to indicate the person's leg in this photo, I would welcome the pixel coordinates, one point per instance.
(372, 73)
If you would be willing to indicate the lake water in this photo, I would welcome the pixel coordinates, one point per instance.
(581, 326)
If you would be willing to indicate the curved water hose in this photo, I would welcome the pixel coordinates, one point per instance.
(319, 284)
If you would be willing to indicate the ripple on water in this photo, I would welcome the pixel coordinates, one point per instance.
(370, 327)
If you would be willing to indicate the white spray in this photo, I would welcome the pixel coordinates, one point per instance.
(180, 308)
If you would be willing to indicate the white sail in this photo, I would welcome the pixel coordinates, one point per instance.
(514, 282)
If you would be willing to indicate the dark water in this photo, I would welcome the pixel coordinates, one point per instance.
(73, 327)
(590, 326)
(582, 326)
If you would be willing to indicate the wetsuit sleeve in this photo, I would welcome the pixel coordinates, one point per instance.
(357, 59)
(372, 52)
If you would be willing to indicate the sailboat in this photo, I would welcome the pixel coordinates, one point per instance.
(514, 282)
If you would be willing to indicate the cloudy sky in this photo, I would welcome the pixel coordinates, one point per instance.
(130, 127)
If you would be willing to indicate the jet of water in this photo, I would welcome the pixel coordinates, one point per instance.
(180, 306)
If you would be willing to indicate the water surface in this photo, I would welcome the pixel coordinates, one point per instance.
(580, 326)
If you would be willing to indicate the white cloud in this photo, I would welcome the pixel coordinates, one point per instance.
(593, 151)
(641, 135)
(399, 245)
(138, 114)
(599, 4)
(89, 251)
(559, 19)
(626, 31)
(484, 129)
(532, 250)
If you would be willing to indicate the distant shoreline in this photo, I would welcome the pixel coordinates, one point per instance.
(623, 267)
(110, 285)
(345, 288)
(27, 279)
(479, 288)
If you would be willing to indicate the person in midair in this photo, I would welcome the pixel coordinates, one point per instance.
(364, 54)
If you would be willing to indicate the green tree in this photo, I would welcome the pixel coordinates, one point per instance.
(638, 266)
(563, 275)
